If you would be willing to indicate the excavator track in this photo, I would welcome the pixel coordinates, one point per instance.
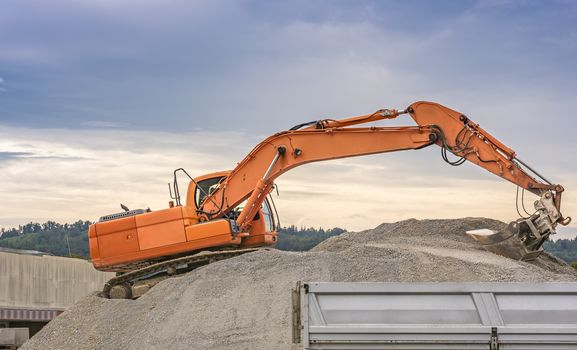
(134, 284)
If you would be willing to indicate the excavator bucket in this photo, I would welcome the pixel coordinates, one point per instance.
(488, 237)
(506, 242)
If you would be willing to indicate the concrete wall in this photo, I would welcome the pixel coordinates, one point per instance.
(46, 282)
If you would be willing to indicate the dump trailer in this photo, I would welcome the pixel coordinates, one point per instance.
(487, 316)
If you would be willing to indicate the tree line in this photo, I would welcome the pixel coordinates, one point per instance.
(49, 237)
(565, 249)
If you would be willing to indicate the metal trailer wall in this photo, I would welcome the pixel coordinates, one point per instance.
(32, 285)
(504, 316)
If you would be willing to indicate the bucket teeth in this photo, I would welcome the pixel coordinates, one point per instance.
(530, 256)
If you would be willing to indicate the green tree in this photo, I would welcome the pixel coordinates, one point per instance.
(301, 239)
(49, 237)
(565, 249)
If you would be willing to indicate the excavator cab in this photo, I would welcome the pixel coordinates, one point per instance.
(118, 241)
(206, 186)
(264, 224)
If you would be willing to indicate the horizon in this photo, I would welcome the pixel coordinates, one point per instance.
(560, 235)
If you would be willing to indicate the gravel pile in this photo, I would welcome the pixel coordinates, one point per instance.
(244, 302)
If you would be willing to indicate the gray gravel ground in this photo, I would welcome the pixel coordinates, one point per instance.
(244, 302)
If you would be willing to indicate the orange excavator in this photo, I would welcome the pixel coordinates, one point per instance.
(230, 213)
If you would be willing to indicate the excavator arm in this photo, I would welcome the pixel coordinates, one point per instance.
(327, 139)
(254, 176)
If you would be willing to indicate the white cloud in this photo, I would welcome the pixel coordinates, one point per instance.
(86, 173)
(104, 124)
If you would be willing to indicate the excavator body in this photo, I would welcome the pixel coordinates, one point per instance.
(121, 242)
(231, 211)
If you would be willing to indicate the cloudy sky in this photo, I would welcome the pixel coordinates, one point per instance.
(101, 99)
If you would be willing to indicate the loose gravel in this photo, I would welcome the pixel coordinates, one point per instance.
(245, 303)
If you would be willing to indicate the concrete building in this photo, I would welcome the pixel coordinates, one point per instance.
(36, 287)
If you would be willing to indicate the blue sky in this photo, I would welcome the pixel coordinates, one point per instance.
(132, 89)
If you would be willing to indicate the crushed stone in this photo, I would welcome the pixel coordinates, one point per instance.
(245, 302)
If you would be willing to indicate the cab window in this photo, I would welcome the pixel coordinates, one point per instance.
(269, 220)
(268, 216)
(205, 187)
